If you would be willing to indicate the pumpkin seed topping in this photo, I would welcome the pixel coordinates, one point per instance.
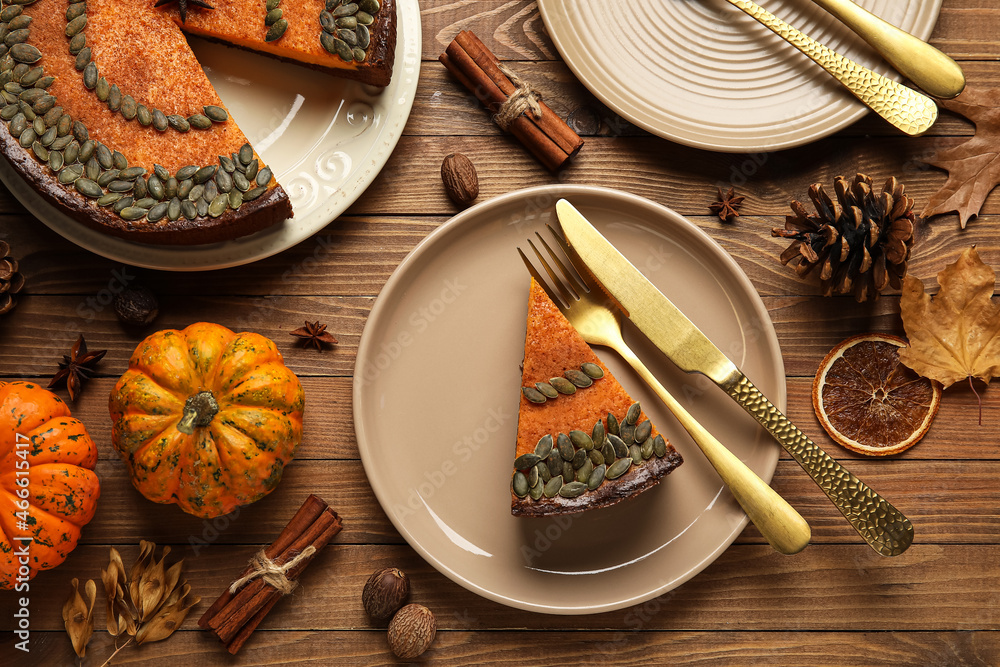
(520, 484)
(544, 446)
(552, 486)
(578, 378)
(619, 467)
(632, 416)
(572, 490)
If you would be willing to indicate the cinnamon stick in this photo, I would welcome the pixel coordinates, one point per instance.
(311, 508)
(233, 617)
(547, 137)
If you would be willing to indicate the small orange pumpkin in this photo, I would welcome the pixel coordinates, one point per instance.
(206, 418)
(48, 489)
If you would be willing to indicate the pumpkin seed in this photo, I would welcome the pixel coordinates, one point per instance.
(252, 167)
(608, 452)
(246, 154)
(581, 440)
(174, 209)
(632, 416)
(76, 26)
(178, 122)
(235, 199)
(31, 77)
(129, 108)
(40, 151)
(596, 457)
(196, 193)
(122, 204)
(87, 149)
(75, 9)
(216, 113)
(155, 186)
(636, 453)
(565, 447)
(583, 472)
(572, 490)
(536, 491)
(562, 385)
(659, 446)
(184, 173)
(27, 137)
(579, 378)
(72, 151)
(525, 461)
(48, 137)
(70, 174)
(646, 448)
(102, 89)
(107, 177)
(533, 394)
(568, 471)
(38, 125)
(227, 163)
(119, 160)
(132, 213)
(358, 54)
(621, 449)
(83, 64)
(10, 12)
(544, 446)
(520, 485)
(619, 468)
(328, 42)
(204, 174)
(131, 173)
(543, 472)
(120, 186)
(597, 434)
(160, 121)
(31, 95)
(271, 4)
(189, 210)
(612, 425)
(93, 169)
(552, 486)
(328, 22)
(346, 10)
(202, 207)
(533, 476)
(364, 37)
(592, 370)
(343, 49)
(88, 188)
(264, 177)
(170, 187)
(77, 43)
(219, 205)
(17, 125)
(544, 388)
(211, 191)
(627, 433)
(250, 195)
(9, 111)
(364, 18)
(579, 459)
(61, 142)
(157, 212)
(199, 121)
(109, 199)
(554, 463)
(643, 431)
(272, 17)
(81, 133)
(348, 22)
(276, 31)
(115, 97)
(144, 202)
(55, 160)
(596, 477)
(52, 117)
(370, 6)
(348, 36)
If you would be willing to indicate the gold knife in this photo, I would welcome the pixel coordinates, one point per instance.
(882, 526)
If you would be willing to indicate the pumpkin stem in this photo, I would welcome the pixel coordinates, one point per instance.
(199, 410)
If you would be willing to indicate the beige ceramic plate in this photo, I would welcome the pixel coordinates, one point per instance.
(436, 391)
(326, 139)
(702, 73)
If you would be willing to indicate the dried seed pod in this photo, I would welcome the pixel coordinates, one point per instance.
(384, 593)
(460, 179)
(411, 631)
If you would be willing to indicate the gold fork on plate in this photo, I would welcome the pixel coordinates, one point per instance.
(599, 322)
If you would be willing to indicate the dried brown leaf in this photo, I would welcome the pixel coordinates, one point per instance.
(973, 166)
(146, 550)
(151, 587)
(956, 335)
(78, 615)
(169, 618)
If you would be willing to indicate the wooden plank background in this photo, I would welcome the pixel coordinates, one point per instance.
(835, 603)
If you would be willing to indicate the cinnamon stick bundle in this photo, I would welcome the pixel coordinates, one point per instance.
(546, 135)
(234, 616)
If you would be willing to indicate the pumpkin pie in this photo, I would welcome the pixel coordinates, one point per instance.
(109, 116)
(582, 442)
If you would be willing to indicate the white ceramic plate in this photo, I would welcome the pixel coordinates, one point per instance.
(325, 139)
(703, 73)
(436, 393)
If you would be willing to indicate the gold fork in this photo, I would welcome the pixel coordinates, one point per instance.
(599, 322)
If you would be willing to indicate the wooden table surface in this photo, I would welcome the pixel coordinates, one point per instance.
(837, 602)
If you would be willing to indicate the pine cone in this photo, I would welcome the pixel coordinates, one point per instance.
(11, 281)
(860, 245)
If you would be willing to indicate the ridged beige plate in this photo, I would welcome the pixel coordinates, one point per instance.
(436, 393)
(325, 139)
(702, 73)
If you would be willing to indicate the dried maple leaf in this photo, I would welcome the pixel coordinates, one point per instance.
(956, 335)
(974, 166)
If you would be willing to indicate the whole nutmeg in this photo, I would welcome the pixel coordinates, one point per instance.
(411, 631)
(460, 179)
(385, 592)
(136, 306)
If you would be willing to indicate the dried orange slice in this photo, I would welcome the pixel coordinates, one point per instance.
(868, 401)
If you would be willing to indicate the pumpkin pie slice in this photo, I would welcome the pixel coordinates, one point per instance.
(107, 113)
(582, 442)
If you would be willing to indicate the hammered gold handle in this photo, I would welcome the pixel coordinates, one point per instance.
(910, 111)
(882, 525)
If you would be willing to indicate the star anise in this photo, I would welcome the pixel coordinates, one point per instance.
(76, 367)
(182, 5)
(728, 205)
(314, 333)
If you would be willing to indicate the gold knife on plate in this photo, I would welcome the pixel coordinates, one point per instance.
(882, 526)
